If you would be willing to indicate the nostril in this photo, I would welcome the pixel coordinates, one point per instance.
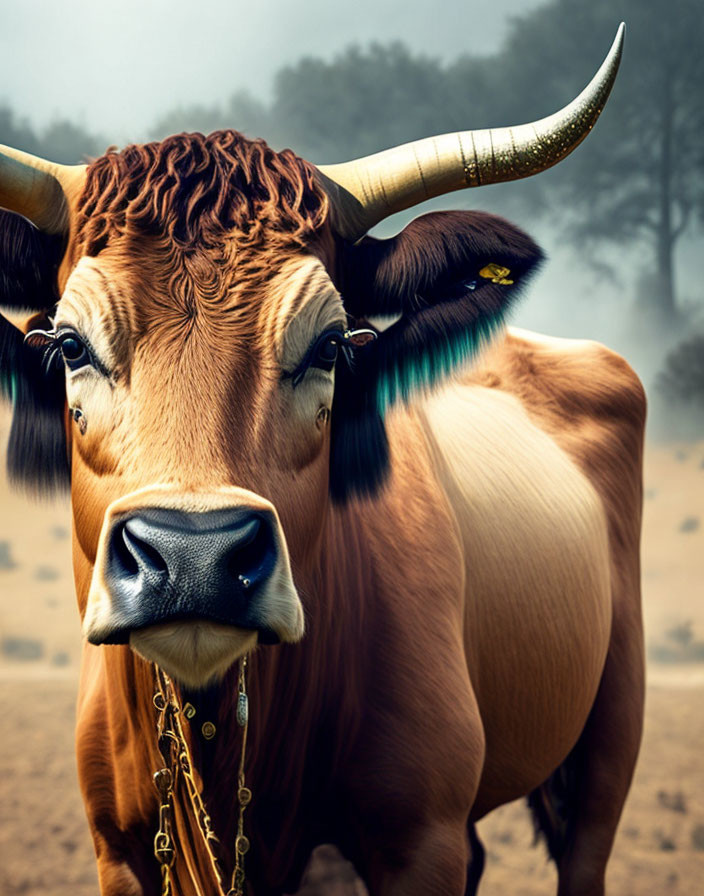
(137, 553)
(248, 533)
(122, 557)
(251, 558)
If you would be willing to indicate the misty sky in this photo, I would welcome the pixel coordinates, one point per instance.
(114, 67)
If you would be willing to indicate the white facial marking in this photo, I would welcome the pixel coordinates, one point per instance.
(93, 305)
(193, 653)
(311, 305)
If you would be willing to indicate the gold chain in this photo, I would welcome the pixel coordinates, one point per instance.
(177, 760)
(164, 848)
(244, 794)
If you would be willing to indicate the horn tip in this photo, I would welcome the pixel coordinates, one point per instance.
(612, 62)
(620, 35)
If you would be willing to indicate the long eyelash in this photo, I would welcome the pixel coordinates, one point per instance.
(52, 357)
(50, 351)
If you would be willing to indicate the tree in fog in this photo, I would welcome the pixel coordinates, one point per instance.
(364, 100)
(640, 178)
(682, 378)
(242, 112)
(62, 141)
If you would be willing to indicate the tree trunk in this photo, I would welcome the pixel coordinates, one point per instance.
(665, 236)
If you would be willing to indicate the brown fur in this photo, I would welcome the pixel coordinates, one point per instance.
(194, 190)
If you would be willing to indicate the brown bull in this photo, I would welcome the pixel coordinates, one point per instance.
(248, 465)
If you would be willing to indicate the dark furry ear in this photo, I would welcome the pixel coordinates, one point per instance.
(29, 262)
(36, 453)
(449, 278)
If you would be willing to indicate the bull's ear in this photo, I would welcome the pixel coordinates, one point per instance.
(449, 278)
(29, 264)
(448, 281)
(36, 453)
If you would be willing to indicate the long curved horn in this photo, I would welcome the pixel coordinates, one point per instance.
(38, 189)
(365, 191)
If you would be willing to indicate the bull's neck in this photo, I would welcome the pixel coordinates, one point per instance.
(307, 701)
(302, 728)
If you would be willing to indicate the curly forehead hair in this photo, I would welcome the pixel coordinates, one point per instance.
(194, 190)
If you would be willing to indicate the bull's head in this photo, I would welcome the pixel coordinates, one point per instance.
(209, 382)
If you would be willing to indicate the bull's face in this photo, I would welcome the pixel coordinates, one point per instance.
(206, 386)
(199, 453)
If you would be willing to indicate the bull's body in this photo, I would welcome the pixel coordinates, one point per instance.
(459, 628)
(274, 429)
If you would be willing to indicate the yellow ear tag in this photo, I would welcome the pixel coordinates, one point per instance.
(496, 273)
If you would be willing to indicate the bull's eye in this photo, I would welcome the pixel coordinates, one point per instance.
(322, 354)
(73, 350)
(326, 351)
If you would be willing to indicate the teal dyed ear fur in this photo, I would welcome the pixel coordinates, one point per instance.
(407, 374)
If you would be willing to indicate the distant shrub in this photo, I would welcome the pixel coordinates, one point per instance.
(682, 633)
(678, 645)
(698, 837)
(22, 648)
(6, 561)
(682, 378)
(675, 801)
(665, 842)
(46, 574)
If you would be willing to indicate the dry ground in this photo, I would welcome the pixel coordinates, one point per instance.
(44, 845)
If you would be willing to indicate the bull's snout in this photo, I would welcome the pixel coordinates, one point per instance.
(218, 551)
(166, 565)
(192, 580)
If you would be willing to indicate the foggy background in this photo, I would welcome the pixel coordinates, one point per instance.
(117, 68)
(621, 221)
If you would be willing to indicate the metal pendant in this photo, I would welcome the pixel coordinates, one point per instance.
(242, 709)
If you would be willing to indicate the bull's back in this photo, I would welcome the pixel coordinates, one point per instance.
(538, 560)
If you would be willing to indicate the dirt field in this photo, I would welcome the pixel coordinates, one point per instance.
(44, 845)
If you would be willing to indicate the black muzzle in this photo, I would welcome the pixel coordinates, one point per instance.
(170, 565)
